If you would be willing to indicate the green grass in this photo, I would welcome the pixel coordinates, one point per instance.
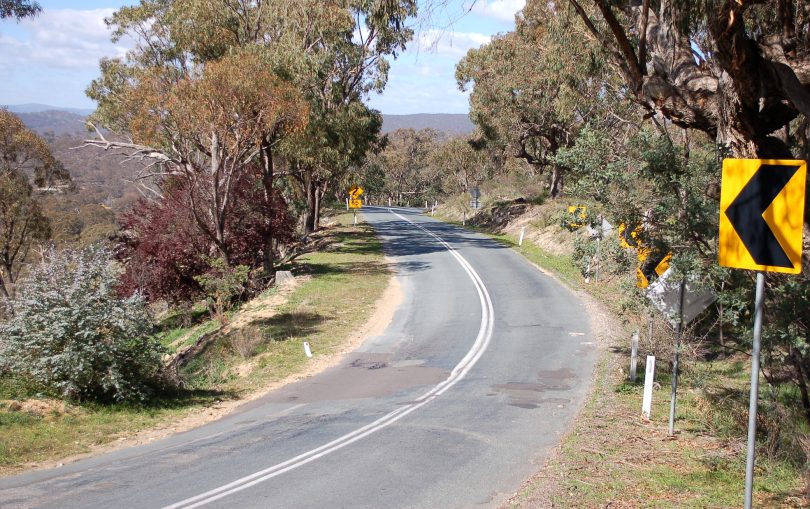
(28, 437)
(345, 283)
(561, 265)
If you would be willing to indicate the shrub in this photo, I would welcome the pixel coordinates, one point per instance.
(70, 332)
(222, 284)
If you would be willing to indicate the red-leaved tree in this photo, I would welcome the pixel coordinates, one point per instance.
(164, 245)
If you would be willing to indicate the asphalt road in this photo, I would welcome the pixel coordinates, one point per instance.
(462, 398)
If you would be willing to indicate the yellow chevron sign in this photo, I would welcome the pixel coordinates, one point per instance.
(651, 265)
(762, 214)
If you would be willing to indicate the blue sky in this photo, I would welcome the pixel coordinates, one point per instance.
(52, 58)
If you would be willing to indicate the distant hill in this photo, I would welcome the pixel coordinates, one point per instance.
(43, 118)
(55, 122)
(449, 123)
(39, 108)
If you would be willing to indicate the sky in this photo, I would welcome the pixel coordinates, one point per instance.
(51, 59)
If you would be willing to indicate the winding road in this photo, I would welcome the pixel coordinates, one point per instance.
(463, 397)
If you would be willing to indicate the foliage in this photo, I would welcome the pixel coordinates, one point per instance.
(22, 223)
(71, 333)
(215, 124)
(330, 54)
(462, 166)
(164, 250)
(408, 165)
(222, 284)
(529, 98)
(18, 9)
(666, 181)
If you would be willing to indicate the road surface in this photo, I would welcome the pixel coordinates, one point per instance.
(463, 397)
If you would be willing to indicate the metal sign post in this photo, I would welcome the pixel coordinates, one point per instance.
(754, 396)
(677, 353)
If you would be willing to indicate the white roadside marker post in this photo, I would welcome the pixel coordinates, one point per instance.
(649, 375)
(522, 233)
(633, 356)
(307, 351)
(347, 204)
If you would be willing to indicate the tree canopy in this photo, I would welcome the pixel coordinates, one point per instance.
(22, 223)
(18, 9)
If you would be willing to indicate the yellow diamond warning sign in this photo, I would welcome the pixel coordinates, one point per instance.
(761, 214)
(355, 191)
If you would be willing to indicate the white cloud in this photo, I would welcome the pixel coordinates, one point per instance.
(61, 38)
(451, 44)
(502, 10)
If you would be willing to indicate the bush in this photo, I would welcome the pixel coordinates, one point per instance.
(70, 332)
(222, 284)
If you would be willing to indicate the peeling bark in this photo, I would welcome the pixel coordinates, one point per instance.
(747, 89)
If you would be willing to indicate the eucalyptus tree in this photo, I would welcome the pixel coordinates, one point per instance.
(332, 53)
(23, 225)
(533, 88)
(734, 69)
(18, 9)
(204, 126)
(462, 167)
(336, 70)
(407, 164)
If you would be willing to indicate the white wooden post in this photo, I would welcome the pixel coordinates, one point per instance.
(522, 232)
(307, 351)
(649, 375)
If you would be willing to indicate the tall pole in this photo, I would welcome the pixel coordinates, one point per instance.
(678, 331)
(752, 399)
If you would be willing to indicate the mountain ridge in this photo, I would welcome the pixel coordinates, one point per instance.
(40, 108)
(43, 118)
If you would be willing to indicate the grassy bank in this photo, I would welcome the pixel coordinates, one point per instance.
(338, 288)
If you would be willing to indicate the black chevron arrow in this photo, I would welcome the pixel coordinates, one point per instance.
(745, 214)
(651, 263)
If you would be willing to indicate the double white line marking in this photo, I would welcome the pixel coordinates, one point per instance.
(459, 371)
